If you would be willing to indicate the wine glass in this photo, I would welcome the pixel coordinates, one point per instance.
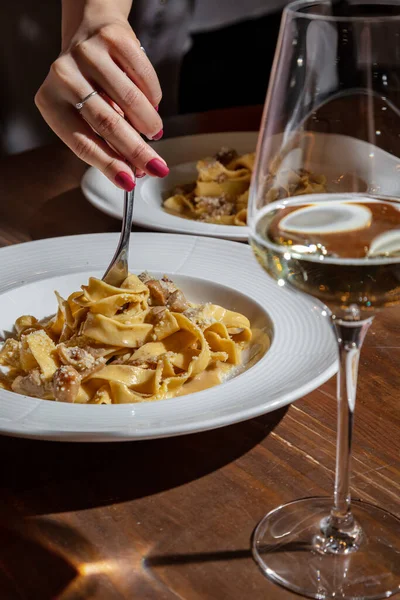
(324, 218)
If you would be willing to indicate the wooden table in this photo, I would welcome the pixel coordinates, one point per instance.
(172, 518)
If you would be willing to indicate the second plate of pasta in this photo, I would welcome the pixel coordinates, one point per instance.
(217, 218)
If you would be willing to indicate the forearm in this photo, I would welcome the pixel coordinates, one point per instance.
(90, 14)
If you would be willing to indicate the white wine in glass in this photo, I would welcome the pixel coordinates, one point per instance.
(324, 217)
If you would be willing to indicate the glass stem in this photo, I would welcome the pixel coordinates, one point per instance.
(341, 533)
(350, 336)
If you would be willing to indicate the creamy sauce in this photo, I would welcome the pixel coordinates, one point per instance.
(206, 379)
(221, 372)
(260, 344)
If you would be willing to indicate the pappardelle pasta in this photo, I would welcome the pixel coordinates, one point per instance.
(139, 342)
(221, 192)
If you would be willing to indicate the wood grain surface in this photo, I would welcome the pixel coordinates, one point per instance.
(169, 519)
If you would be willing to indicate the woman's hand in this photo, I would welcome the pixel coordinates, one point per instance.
(100, 52)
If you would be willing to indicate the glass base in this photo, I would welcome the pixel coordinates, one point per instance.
(291, 549)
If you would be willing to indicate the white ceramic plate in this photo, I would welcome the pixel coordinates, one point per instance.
(302, 355)
(342, 153)
(181, 154)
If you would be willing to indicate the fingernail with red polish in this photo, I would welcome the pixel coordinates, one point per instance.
(159, 135)
(156, 107)
(125, 181)
(157, 167)
(140, 174)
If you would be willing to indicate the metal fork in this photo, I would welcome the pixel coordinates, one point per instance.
(118, 269)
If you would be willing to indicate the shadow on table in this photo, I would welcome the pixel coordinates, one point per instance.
(166, 560)
(44, 559)
(49, 477)
(29, 569)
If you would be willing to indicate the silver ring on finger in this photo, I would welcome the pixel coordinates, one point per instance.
(81, 104)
